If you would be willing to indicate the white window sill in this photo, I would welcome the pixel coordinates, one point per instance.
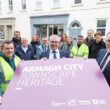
(23, 11)
(77, 5)
(38, 9)
(9, 12)
(2, 39)
(56, 7)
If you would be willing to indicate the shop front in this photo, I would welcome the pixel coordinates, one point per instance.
(48, 25)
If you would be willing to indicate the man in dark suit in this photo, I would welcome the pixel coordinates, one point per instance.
(103, 59)
(16, 39)
(25, 51)
(54, 52)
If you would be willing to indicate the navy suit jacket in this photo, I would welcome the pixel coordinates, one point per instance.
(29, 55)
(106, 71)
(45, 54)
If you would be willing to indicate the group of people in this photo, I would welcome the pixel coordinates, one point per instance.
(85, 48)
(18, 49)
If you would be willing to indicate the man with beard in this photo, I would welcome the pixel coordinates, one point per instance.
(35, 43)
(90, 38)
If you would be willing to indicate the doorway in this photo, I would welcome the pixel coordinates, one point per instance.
(75, 30)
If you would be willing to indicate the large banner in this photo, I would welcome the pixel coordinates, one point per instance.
(63, 84)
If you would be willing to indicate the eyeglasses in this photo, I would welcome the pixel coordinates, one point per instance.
(107, 41)
(54, 42)
(44, 40)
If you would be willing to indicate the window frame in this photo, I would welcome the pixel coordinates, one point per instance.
(0, 6)
(2, 32)
(73, 4)
(23, 5)
(39, 4)
(10, 5)
(76, 2)
(57, 4)
(101, 27)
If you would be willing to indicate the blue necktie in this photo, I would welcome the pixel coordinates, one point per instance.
(54, 54)
(44, 48)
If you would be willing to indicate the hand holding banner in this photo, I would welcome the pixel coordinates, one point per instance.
(63, 84)
(0, 100)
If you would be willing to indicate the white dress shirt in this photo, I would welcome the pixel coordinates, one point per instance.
(51, 54)
(25, 48)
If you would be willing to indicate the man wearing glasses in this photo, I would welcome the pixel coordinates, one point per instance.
(103, 59)
(54, 52)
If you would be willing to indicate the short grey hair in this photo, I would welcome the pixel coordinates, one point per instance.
(90, 30)
(55, 36)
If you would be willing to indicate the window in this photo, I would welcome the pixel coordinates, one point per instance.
(75, 25)
(101, 26)
(48, 30)
(2, 36)
(10, 2)
(56, 3)
(23, 4)
(77, 1)
(55, 29)
(0, 6)
(39, 4)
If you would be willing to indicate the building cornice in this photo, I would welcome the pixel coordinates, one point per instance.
(49, 15)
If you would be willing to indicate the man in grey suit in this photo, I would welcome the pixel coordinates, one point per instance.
(103, 59)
